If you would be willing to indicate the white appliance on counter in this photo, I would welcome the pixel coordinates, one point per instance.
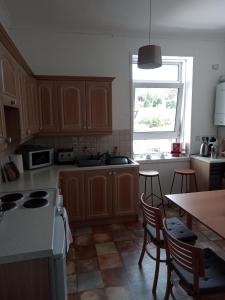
(219, 117)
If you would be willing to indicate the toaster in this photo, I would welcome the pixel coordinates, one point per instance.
(65, 156)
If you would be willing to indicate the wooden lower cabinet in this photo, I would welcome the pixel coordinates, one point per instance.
(72, 189)
(125, 191)
(100, 194)
(25, 280)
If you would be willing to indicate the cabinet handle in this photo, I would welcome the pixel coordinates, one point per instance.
(8, 140)
(28, 131)
(13, 102)
(110, 173)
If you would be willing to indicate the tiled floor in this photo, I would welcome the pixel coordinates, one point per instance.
(102, 263)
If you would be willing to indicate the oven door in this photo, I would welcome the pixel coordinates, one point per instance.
(58, 262)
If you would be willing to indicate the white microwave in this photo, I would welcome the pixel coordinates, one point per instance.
(36, 156)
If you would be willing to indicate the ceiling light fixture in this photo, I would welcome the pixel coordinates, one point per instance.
(149, 56)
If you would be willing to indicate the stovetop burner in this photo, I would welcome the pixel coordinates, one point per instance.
(11, 197)
(8, 206)
(35, 203)
(38, 194)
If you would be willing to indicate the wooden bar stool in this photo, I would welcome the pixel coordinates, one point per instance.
(152, 174)
(185, 179)
(185, 174)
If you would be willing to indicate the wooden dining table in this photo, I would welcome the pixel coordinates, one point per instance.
(207, 207)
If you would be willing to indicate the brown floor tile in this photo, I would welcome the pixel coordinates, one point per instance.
(134, 226)
(102, 237)
(101, 229)
(116, 227)
(106, 248)
(89, 281)
(97, 294)
(108, 261)
(85, 252)
(114, 277)
(70, 267)
(126, 246)
(83, 240)
(73, 297)
(72, 284)
(123, 235)
(117, 293)
(87, 265)
(81, 231)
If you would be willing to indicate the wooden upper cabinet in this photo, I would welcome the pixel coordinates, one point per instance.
(47, 95)
(98, 194)
(99, 106)
(9, 80)
(34, 106)
(2, 127)
(125, 191)
(71, 97)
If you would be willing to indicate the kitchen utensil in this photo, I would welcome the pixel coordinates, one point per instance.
(204, 151)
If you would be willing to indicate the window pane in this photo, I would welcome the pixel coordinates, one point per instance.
(164, 73)
(155, 109)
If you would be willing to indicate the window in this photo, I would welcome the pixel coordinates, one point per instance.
(158, 106)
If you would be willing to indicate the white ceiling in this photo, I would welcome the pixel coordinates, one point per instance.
(117, 16)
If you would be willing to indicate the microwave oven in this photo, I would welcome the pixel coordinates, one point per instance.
(36, 156)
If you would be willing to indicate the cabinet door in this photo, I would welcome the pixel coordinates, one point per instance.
(72, 106)
(125, 191)
(98, 194)
(47, 95)
(25, 131)
(8, 80)
(34, 106)
(99, 106)
(2, 127)
(72, 188)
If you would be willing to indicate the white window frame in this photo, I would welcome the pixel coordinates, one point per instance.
(179, 84)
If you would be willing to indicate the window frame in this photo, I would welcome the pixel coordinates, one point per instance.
(179, 84)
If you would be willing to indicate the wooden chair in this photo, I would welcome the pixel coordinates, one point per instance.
(152, 223)
(201, 271)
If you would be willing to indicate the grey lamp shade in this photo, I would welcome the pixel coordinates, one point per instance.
(149, 57)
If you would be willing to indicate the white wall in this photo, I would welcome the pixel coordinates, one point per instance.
(74, 54)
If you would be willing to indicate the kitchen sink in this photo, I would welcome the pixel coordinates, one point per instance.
(101, 160)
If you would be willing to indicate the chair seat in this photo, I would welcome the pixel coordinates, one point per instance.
(184, 171)
(150, 173)
(214, 279)
(177, 229)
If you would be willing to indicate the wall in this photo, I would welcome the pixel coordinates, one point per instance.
(95, 55)
(76, 54)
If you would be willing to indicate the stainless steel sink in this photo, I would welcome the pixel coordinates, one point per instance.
(99, 160)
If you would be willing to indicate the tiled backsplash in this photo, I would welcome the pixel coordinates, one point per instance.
(119, 138)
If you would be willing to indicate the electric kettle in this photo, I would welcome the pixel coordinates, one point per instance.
(204, 150)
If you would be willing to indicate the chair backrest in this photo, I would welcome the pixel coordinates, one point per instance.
(185, 255)
(152, 216)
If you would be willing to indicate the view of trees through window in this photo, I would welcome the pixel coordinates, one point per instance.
(155, 109)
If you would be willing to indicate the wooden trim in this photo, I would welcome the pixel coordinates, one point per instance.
(11, 47)
(71, 78)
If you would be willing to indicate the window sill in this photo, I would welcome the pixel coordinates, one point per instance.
(169, 159)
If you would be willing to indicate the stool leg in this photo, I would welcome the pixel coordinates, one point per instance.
(161, 195)
(182, 181)
(171, 189)
(196, 187)
(181, 187)
(187, 189)
(151, 195)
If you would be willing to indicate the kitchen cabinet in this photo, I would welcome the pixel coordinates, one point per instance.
(2, 126)
(100, 194)
(125, 191)
(209, 174)
(9, 85)
(71, 97)
(99, 106)
(75, 105)
(48, 107)
(72, 189)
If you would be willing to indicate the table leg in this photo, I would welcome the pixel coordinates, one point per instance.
(189, 220)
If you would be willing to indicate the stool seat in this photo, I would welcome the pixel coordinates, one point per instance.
(149, 173)
(185, 171)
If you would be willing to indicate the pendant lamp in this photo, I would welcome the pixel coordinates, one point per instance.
(149, 56)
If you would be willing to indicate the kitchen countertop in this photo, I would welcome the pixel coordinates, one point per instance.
(209, 159)
(47, 178)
